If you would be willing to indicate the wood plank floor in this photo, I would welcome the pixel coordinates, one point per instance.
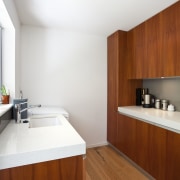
(104, 163)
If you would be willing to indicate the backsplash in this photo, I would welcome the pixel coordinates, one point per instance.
(167, 88)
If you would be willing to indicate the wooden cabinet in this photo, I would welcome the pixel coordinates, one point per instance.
(178, 38)
(173, 156)
(153, 61)
(139, 51)
(142, 144)
(149, 50)
(113, 87)
(157, 151)
(121, 90)
(67, 168)
(170, 38)
(126, 136)
(153, 148)
(147, 61)
(156, 45)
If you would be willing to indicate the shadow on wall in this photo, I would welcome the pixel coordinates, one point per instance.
(167, 88)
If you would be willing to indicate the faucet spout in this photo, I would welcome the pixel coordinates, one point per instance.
(19, 110)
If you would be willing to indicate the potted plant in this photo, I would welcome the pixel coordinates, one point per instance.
(4, 95)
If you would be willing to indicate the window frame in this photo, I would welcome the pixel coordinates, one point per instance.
(0, 56)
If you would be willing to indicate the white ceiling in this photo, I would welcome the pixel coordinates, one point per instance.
(101, 17)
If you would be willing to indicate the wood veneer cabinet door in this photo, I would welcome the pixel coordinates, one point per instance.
(142, 144)
(157, 152)
(178, 38)
(153, 59)
(170, 40)
(130, 56)
(116, 77)
(151, 149)
(139, 51)
(173, 156)
(126, 137)
(112, 99)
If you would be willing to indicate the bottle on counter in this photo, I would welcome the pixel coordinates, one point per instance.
(164, 103)
(143, 92)
(158, 104)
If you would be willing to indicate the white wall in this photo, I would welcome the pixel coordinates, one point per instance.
(11, 49)
(67, 69)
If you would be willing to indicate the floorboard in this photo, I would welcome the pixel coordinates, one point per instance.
(104, 163)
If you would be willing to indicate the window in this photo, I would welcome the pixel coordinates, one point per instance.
(0, 56)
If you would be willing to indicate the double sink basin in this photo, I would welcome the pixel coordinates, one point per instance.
(45, 121)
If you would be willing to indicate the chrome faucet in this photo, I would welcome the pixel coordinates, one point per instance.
(19, 110)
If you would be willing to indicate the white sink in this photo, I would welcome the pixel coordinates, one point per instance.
(36, 122)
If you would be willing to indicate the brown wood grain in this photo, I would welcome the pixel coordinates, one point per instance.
(121, 90)
(62, 169)
(156, 45)
(157, 151)
(105, 163)
(112, 97)
(173, 156)
(127, 136)
(139, 51)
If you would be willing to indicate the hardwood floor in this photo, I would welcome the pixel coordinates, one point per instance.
(104, 163)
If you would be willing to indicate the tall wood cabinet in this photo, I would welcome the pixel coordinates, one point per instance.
(119, 86)
(113, 86)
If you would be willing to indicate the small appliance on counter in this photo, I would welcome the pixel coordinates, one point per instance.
(149, 101)
(143, 98)
(140, 92)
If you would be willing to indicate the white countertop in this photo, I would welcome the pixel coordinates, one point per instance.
(21, 145)
(165, 119)
(4, 108)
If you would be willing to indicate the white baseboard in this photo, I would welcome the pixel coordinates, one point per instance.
(97, 144)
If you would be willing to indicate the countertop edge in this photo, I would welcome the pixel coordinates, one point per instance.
(4, 108)
(151, 119)
(15, 160)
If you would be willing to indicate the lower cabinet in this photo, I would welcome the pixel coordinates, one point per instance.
(67, 168)
(155, 149)
(157, 152)
(173, 155)
(151, 149)
(126, 135)
(142, 145)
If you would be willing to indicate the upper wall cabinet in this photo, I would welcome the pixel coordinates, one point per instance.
(139, 51)
(156, 45)
(171, 40)
(153, 63)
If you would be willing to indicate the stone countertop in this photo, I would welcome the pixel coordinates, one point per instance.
(4, 108)
(21, 145)
(165, 119)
